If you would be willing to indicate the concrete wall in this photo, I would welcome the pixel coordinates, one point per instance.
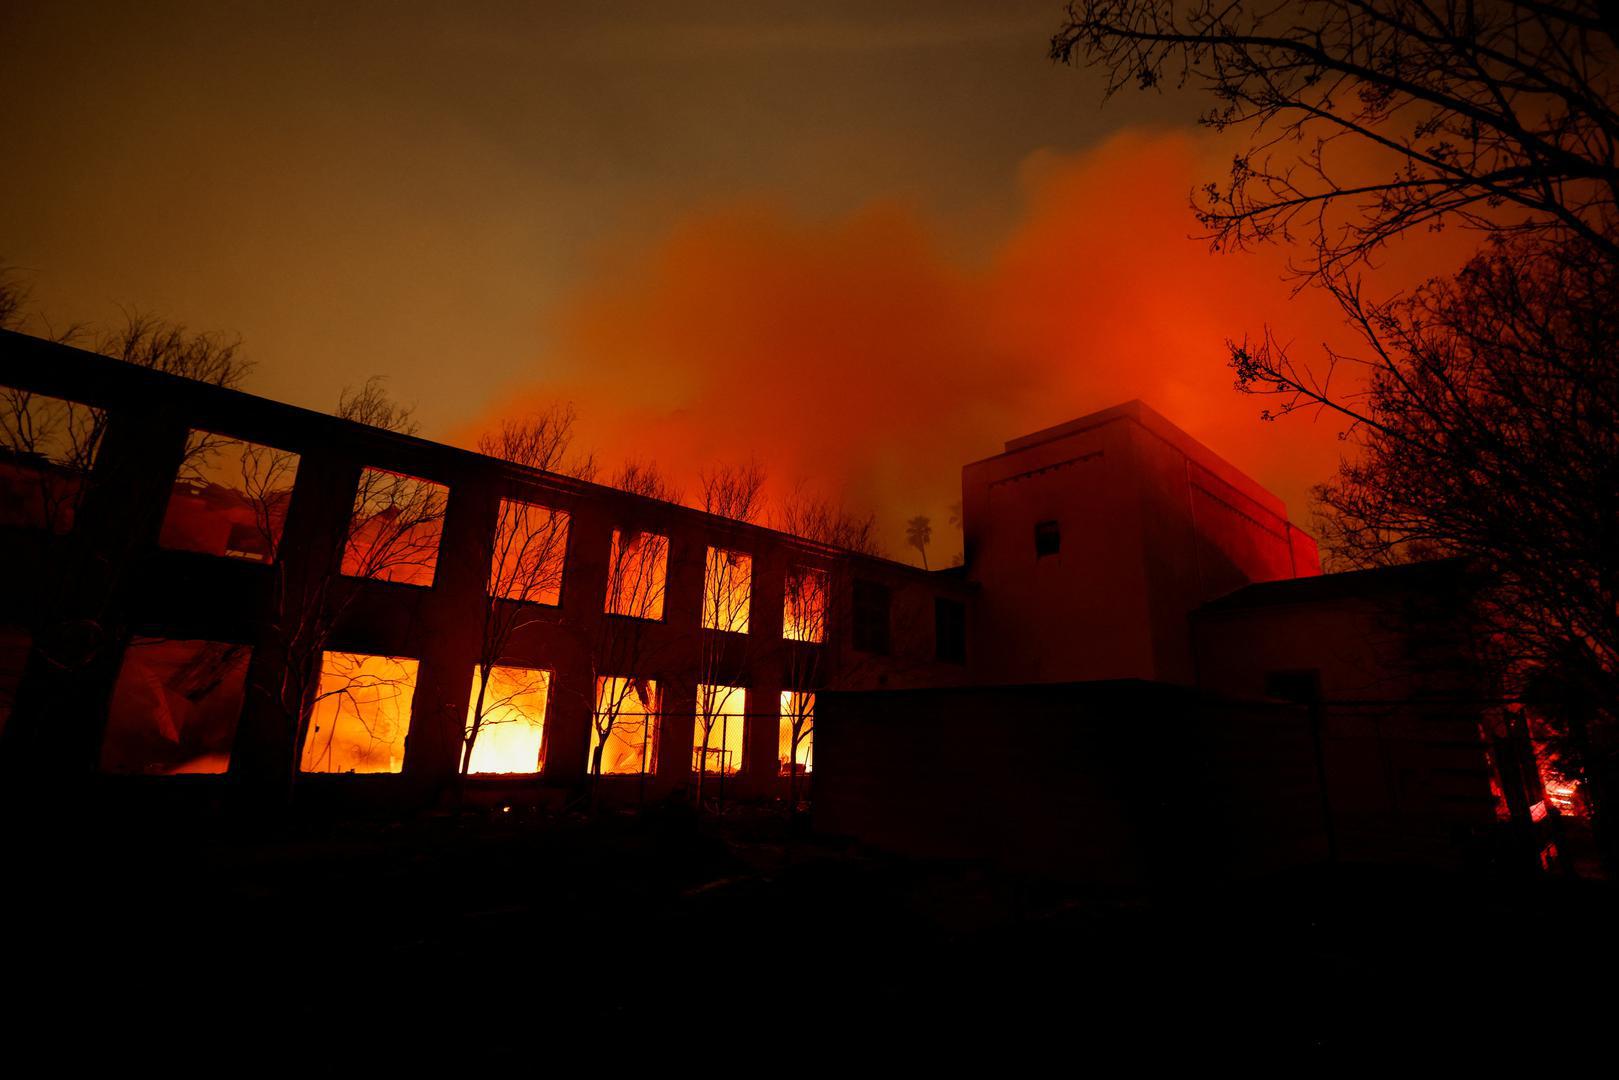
(54, 725)
(1152, 525)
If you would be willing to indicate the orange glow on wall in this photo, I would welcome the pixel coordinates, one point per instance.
(727, 588)
(511, 738)
(531, 545)
(230, 498)
(717, 735)
(174, 707)
(804, 609)
(395, 528)
(637, 573)
(361, 714)
(631, 707)
(797, 710)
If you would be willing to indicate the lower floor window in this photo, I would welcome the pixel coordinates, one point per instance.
(795, 751)
(361, 714)
(717, 736)
(624, 730)
(174, 707)
(507, 732)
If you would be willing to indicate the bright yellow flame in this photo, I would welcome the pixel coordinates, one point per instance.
(799, 706)
(804, 613)
(632, 744)
(511, 738)
(726, 588)
(720, 718)
(361, 716)
(636, 574)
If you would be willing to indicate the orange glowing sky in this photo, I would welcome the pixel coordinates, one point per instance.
(865, 246)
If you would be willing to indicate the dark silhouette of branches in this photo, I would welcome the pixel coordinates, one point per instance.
(919, 533)
(526, 566)
(1497, 115)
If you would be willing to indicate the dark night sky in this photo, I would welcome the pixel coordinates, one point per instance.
(643, 207)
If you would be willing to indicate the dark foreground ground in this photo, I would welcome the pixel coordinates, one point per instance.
(548, 943)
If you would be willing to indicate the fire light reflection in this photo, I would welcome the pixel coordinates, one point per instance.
(511, 738)
(361, 714)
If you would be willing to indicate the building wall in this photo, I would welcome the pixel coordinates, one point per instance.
(1152, 525)
(54, 723)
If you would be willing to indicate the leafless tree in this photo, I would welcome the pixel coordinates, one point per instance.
(1498, 115)
(919, 533)
(811, 587)
(1480, 409)
(526, 567)
(735, 493)
(390, 534)
(626, 702)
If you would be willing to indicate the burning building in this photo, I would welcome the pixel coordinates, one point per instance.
(209, 587)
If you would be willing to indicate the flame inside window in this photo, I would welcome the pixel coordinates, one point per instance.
(627, 710)
(636, 574)
(727, 585)
(717, 735)
(174, 707)
(361, 714)
(511, 736)
(804, 613)
(795, 751)
(531, 544)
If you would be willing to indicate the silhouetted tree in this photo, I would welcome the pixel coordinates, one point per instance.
(637, 574)
(919, 533)
(529, 550)
(1481, 409)
(391, 531)
(734, 492)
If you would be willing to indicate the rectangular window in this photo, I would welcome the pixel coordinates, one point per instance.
(531, 546)
(361, 714)
(174, 707)
(717, 736)
(727, 587)
(637, 571)
(47, 448)
(394, 532)
(795, 751)
(949, 630)
(804, 614)
(511, 732)
(871, 616)
(230, 498)
(625, 727)
(1047, 539)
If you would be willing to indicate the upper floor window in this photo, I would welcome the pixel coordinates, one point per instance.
(804, 613)
(871, 616)
(637, 572)
(230, 498)
(727, 586)
(394, 532)
(47, 448)
(1047, 539)
(531, 546)
(949, 630)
